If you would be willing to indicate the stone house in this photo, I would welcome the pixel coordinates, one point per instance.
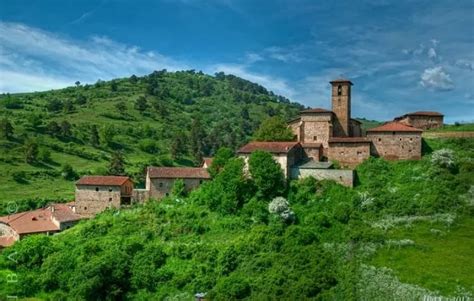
(286, 154)
(49, 220)
(396, 141)
(94, 194)
(422, 120)
(160, 180)
(349, 151)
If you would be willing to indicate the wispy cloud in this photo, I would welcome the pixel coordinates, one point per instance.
(437, 78)
(41, 60)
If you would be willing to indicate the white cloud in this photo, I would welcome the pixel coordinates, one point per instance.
(432, 54)
(465, 64)
(26, 53)
(437, 79)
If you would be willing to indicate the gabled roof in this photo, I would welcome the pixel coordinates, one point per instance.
(424, 113)
(103, 180)
(40, 220)
(348, 140)
(270, 146)
(178, 173)
(394, 127)
(316, 111)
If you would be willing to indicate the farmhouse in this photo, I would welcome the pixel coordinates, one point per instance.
(94, 194)
(52, 219)
(160, 180)
(423, 120)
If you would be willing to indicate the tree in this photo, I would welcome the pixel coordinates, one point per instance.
(81, 99)
(53, 128)
(77, 83)
(68, 173)
(178, 145)
(65, 128)
(121, 107)
(68, 106)
(133, 79)
(54, 105)
(6, 129)
(197, 140)
(266, 174)
(141, 104)
(94, 138)
(44, 155)
(106, 135)
(113, 86)
(31, 151)
(117, 164)
(223, 155)
(273, 129)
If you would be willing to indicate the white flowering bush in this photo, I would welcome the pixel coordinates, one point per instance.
(281, 207)
(366, 200)
(443, 158)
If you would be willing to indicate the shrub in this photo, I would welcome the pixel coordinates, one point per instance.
(149, 146)
(280, 207)
(68, 173)
(443, 158)
(266, 174)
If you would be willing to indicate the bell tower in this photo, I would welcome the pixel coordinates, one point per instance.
(341, 106)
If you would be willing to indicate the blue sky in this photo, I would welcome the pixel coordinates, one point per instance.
(401, 55)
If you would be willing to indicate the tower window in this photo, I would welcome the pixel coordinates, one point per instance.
(315, 138)
(339, 90)
(97, 189)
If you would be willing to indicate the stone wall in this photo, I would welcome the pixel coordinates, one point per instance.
(342, 176)
(312, 152)
(140, 195)
(356, 130)
(316, 128)
(162, 187)
(423, 122)
(341, 106)
(7, 231)
(349, 154)
(396, 145)
(91, 200)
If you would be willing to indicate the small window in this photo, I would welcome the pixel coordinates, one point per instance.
(393, 133)
(380, 139)
(411, 139)
(85, 208)
(161, 184)
(339, 90)
(97, 189)
(315, 138)
(167, 194)
(110, 199)
(200, 181)
(400, 139)
(359, 153)
(110, 189)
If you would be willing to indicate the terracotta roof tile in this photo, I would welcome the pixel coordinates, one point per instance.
(316, 110)
(424, 113)
(271, 147)
(103, 180)
(349, 140)
(178, 172)
(394, 127)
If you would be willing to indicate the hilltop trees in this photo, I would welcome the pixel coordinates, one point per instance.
(273, 129)
(6, 129)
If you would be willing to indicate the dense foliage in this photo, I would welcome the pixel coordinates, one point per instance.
(230, 241)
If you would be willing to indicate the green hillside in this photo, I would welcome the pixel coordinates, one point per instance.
(161, 119)
(403, 233)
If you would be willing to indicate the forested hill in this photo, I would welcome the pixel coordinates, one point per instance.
(165, 118)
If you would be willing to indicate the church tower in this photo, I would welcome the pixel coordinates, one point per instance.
(341, 106)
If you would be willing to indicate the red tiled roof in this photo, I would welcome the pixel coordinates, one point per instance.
(103, 180)
(40, 220)
(316, 110)
(271, 147)
(424, 113)
(341, 80)
(394, 127)
(349, 140)
(178, 172)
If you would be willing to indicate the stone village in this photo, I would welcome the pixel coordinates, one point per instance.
(321, 137)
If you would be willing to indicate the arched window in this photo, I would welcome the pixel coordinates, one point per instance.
(339, 90)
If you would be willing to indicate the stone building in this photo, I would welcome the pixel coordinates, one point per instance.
(395, 141)
(349, 151)
(286, 154)
(160, 180)
(49, 220)
(422, 120)
(94, 194)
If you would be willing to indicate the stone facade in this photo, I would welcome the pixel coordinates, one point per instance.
(341, 106)
(396, 145)
(99, 193)
(161, 187)
(349, 152)
(342, 176)
(426, 121)
(356, 130)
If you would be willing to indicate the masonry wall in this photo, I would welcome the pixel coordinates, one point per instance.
(317, 128)
(349, 154)
(140, 195)
(423, 122)
(6, 230)
(342, 176)
(162, 187)
(396, 145)
(356, 130)
(297, 128)
(89, 201)
(313, 153)
(341, 106)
